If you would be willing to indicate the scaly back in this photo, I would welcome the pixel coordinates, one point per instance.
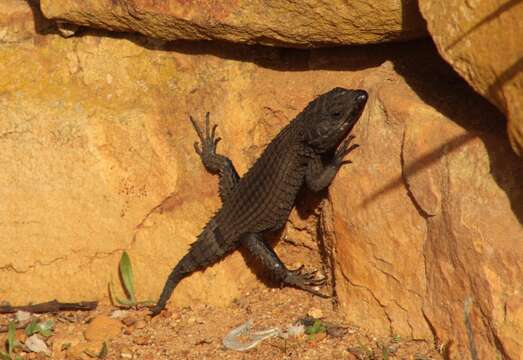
(265, 195)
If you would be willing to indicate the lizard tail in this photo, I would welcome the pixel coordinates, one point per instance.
(209, 248)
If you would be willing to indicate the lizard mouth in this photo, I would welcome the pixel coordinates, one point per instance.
(353, 116)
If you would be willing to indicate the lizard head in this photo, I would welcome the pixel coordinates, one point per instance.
(331, 116)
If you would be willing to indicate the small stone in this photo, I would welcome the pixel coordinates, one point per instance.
(20, 335)
(35, 344)
(129, 320)
(191, 320)
(141, 340)
(66, 29)
(166, 314)
(22, 316)
(119, 314)
(64, 341)
(140, 324)
(315, 313)
(393, 348)
(296, 330)
(126, 353)
(102, 328)
(317, 337)
(79, 351)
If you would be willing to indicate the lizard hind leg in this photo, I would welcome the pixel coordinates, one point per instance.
(278, 271)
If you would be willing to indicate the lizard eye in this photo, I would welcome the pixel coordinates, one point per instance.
(336, 114)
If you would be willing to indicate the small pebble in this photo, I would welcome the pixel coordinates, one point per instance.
(126, 353)
(166, 314)
(129, 320)
(126, 356)
(315, 313)
(140, 324)
(22, 316)
(119, 314)
(141, 340)
(102, 328)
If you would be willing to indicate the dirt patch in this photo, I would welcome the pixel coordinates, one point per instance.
(196, 332)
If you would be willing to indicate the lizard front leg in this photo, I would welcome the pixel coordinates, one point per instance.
(319, 175)
(255, 244)
(212, 161)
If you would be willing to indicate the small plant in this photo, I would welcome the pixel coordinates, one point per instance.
(126, 275)
(316, 328)
(44, 328)
(11, 344)
(385, 353)
(396, 338)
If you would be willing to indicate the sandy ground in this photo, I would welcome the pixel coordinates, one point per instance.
(197, 332)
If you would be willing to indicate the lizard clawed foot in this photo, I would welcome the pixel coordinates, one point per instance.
(155, 311)
(343, 150)
(208, 138)
(305, 280)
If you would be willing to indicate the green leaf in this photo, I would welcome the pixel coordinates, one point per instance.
(396, 338)
(146, 303)
(4, 356)
(103, 351)
(126, 272)
(125, 302)
(31, 328)
(385, 353)
(11, 340)
(45, 328)
(111, 292)
(315, 328)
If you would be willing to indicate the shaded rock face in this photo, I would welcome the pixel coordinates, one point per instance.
(482, 42)
(423, 231)
(288, 23)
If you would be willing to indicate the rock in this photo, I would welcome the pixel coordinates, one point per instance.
(36, 344)
(315, 313)
(20, 335)
(67, 29)
(62, 341)
(129, 320)
(462, 31)
(303, 23)
(102, 328)
(22, 316)
(16, 22)
(126, 353)
(94, 195)
(84, 351)
(140, 324)
(120, 314)
(429, 217)
(97, 156)
(141, 340)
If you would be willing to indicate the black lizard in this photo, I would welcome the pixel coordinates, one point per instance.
(305, 151)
